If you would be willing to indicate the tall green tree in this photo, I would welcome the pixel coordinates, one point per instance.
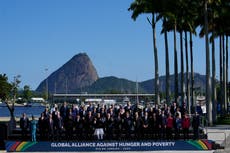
(171, 14)
(27, 94)
(186, 23)
(164, 14)
(5, 88)
(8, 93)
(167, 65)
(149, 7)
(208, 80)
(187, 75)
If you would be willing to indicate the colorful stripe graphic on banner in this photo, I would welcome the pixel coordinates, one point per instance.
(201, 144)
(19, 146)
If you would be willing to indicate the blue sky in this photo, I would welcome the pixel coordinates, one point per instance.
(40, 34)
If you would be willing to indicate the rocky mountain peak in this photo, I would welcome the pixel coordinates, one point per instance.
(77, 73)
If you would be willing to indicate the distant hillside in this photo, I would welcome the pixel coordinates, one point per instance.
(117, 85)
(113, 85)
(77, 73)
(199, 82)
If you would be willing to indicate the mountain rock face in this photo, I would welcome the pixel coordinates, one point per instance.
(77, 73)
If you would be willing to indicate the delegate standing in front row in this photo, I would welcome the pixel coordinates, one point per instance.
(24, 125)
(33, 128)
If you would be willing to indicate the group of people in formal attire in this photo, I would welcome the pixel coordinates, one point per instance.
(114, 122)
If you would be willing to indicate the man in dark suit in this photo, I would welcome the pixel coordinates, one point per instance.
(195, 125)
(128, 124)
(109, 126)
(89, 126)
(69, 124)
(24, 125)
(79, 124)
(50, 127)
(137, 126)
(58, 126)
(145, 125)
(64, 111)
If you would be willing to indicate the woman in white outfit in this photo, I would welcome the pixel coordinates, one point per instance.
(99, 127)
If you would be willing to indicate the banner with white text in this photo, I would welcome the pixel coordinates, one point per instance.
(106, 146)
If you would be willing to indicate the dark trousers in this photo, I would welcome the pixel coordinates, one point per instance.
(186, 133)
(177, 133)
(24, 133)
(169, 134)
(58, 134)
(163, 133)
(69, 134)
(195, 133)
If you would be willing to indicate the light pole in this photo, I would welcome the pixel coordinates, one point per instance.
(47, 90)
(66, 86)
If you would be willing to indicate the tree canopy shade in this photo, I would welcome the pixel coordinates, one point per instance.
(5, 87)
(8, 90)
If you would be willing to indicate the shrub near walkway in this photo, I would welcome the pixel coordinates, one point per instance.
(224, 119)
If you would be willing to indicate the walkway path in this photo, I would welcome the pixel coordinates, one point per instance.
(218, 133)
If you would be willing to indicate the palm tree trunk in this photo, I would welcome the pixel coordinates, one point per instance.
(187, 75)
(167, 67)
(182, 67)
(227, 65)
(221, 75)
(224, 79)
(175, 64)
(208, 80)
(192, 74)
(157, 96)
(214, 102)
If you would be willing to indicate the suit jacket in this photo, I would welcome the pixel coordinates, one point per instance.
(24, 123)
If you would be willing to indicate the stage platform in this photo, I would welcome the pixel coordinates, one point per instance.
(108, 146)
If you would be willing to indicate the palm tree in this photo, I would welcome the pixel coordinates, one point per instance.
(221, 73)
(192, 71)
(225, 18)
(144, 6)
(214, 81)
(227, 63)
(224, 78)
(187, 74)
(205, 30)
(212, 28)
(220, 26)
(186, 24)
(162, 15)
(182, 66)
(171, 24)
(195, 20)
(179, 18)
(208, 81)
(167, 65)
